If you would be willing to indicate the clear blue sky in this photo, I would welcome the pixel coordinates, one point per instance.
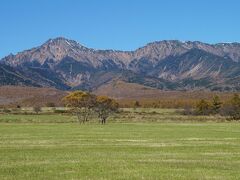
(116, 24)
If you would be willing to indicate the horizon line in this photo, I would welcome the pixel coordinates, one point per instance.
(117, 50)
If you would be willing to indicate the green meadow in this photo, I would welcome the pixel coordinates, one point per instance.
(134, 145)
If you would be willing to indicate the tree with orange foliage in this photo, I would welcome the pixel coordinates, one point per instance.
(81, 103)
(105, 107)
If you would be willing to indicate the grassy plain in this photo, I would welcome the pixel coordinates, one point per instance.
(56, 147)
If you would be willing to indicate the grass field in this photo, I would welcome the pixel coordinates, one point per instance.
(34, 147)
(127, 115)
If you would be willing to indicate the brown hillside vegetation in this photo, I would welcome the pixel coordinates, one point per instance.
(29, 96)
(128, 93)
(125, 93)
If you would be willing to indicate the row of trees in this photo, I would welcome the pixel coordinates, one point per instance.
(231, 108)
(83, 104)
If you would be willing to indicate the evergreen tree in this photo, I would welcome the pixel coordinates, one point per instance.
(216, 105)
(235, 102)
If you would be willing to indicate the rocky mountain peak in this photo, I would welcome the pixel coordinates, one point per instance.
(63, 44)
(54, 49)
(61, 41)
(65, 63)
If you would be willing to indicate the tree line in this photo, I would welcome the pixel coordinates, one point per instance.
(216, 106)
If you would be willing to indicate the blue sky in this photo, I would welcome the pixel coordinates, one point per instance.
(116, 24)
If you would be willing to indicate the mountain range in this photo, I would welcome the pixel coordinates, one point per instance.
(168, 65)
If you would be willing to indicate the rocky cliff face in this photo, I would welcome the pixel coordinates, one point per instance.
(175, 65)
